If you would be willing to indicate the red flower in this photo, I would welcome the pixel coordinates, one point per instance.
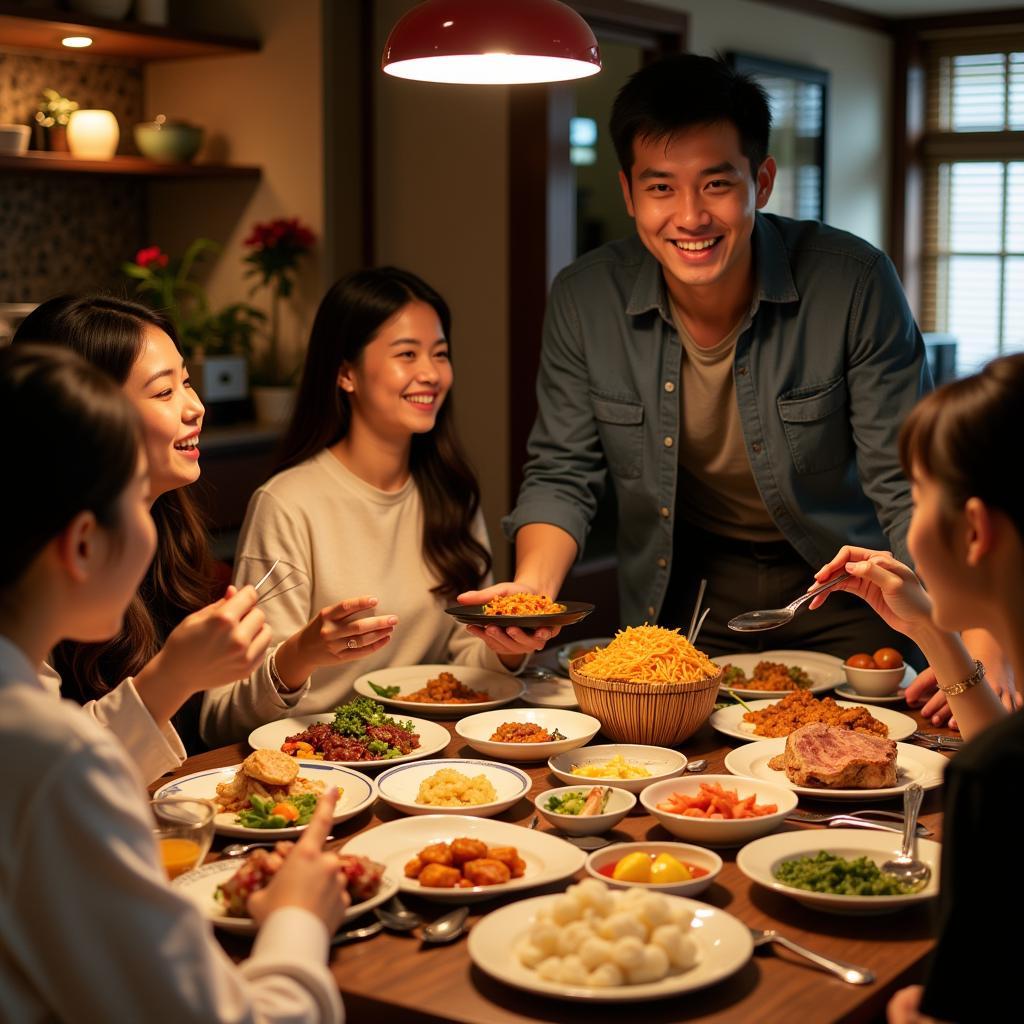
(151, 257)
(284, 232)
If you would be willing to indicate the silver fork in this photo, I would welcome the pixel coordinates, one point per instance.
(863, 819)
(817, 816)
(850, 973)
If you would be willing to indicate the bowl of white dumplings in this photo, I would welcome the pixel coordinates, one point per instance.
(599, 938)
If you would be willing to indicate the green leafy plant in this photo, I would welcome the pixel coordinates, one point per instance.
(277, 247)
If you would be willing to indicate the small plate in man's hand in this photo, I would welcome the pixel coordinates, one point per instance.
(473, 615)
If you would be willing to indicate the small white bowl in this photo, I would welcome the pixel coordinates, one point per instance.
(700, 858)
(717, 831)
(577, 729)
(661, 762)
(875, 682)
(620, 803)
(14, 138)
(398, 786)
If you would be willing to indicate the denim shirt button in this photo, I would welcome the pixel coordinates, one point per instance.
(670, 386)
(664, 512)
(742, 371)
(756, 447)
(650, 610)
(668, 442)
(662, 563)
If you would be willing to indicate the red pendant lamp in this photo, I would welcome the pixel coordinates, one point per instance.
(491, 42)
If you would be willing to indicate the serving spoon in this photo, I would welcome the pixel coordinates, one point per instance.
(446, 928)
(397, 916)
(906, 868)
(772, 618)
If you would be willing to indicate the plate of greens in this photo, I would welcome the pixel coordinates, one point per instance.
(258, 820)
(359, 734)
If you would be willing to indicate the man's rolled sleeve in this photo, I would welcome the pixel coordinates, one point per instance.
(565, 474)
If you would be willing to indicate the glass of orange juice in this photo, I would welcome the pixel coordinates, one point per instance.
(183, 827)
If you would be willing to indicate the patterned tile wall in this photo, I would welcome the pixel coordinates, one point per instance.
(68, 232)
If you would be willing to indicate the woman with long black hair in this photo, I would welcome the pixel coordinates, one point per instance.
(373, 495)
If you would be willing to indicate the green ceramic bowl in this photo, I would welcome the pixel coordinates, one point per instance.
(167, 142)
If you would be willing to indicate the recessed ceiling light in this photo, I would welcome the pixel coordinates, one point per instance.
(76, 42)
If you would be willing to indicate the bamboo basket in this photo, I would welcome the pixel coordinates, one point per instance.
(657, 714)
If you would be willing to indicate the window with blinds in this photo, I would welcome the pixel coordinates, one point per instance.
(974, 199)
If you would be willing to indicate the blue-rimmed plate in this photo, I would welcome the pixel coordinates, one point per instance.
(357, 793)
(399, 786)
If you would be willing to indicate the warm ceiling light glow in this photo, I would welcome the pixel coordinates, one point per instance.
(76, 42)
(500, 42)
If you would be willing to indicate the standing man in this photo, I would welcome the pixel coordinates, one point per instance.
(738, 378)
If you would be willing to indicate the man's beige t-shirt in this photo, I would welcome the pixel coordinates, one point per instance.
(716, 489)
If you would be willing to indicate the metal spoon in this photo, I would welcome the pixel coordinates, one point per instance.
(353, 934)
(447, 928)
(906, 868)
(587, 842)
(697, 766)
(772, 618)
(397, 916)
(238, 849)
(850, 973)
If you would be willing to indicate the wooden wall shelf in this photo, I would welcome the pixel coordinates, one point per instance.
(135, 165)
(37, 29)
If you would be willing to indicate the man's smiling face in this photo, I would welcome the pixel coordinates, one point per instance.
(693, 198)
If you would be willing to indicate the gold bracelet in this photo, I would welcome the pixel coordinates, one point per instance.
(955, 689)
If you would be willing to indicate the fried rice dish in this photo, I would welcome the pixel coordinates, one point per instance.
(801, 708)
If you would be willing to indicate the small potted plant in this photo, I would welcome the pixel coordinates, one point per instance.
(277, 246)
(52, 120)
(216, 343)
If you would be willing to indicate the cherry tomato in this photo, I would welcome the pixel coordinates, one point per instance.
(861, 661)
(888, 657)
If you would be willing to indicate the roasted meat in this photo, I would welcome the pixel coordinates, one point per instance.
(822, 755)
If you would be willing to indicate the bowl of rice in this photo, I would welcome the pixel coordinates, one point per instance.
(457, 785)
(650, 685)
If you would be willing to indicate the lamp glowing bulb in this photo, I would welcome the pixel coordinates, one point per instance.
(76, 42)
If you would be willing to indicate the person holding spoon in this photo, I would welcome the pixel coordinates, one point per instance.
(179, 637)
(372, 492)
(90, 928)
(959, 448)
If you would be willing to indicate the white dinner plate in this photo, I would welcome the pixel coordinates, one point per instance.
(433, 738)
(725, 946)
(577, 728)
(394, 843)
(358, 792)
(410, 678)
(729, 721)
(399, 786)
(758, 860)
(913, 764)
(825, 671)
(200, 886)
(553, 691)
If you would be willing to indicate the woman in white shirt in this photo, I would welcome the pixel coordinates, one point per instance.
(178, 639)
(89, 928)
(373, 495)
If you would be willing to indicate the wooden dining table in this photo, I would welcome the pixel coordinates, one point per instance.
(393, 978)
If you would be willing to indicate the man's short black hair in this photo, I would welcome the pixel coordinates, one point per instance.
(685, 90)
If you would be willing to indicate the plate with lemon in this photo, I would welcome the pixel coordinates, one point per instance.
(675, 868)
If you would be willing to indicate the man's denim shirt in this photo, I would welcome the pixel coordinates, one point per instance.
(827, 371)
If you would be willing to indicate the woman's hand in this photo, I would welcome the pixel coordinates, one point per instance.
(885, 583)
(333, 636)
(903, 1008)
(310, 877)
(216, 645)
(513, 642)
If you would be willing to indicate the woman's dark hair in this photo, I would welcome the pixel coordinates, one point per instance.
(964, 436)
(684, 91)
(57, 404)
(349, 317)
(109, 334)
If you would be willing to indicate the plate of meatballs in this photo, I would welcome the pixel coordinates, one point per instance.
(460, 859)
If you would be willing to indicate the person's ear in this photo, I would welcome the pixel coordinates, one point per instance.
(979, 531)
(627, 193)
(79, 547)
(765, 181)
(346, 380)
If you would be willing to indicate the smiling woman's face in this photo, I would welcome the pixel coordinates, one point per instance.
(172, 415)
